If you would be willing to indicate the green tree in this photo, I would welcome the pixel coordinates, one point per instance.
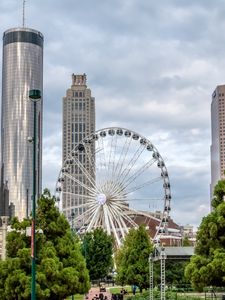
(97, 248)
(175, 272)
(207, 266)
(61, 268)
(186, 242)
(218, 193)
(132, 259)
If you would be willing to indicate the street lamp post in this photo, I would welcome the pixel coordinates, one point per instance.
(72, 221)
(35, 96)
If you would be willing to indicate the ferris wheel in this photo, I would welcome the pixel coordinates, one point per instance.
(112, 177)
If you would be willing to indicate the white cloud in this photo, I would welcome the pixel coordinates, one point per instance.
(152, 67)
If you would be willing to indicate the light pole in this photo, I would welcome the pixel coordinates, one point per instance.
(35, 96)
(72, 221)
(150, 260)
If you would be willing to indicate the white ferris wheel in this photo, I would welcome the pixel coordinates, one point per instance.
(112, 177)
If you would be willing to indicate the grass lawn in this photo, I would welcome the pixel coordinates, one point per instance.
(117, 289)
(77, 297)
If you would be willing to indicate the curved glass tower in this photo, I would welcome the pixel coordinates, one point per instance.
(22, 71)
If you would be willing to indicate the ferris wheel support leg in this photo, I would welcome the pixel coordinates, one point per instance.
(151, 277)
(163, 271)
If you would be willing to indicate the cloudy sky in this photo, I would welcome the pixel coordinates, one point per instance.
(152, 67)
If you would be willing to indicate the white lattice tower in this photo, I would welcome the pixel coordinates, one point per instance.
(151, 277)
(163, 269)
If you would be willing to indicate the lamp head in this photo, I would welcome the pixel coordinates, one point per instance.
(35, 95)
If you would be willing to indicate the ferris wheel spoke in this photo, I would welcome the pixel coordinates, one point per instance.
(93, 219)
(118, 207)
(120, 204)
(90, 157)
(122, 157)
(104, 159)
(90, 189)
(80, 206)
(90, 206)
(89, 197)
(120, 227)
(101, 163)
(114, 231)
(145, 199)
(118, 193)
(138, 187)
(126, 171)
(112, 154)
(97, 222)
(139, 172)
(129, 220)
(124, 226)
(118, 165)
(119, 156)
(87, 215)
(106, 219)
(91, 209)
(125, 216)
(84, 171)
(119, 219)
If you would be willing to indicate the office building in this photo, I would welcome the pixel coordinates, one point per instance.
(22, 70)
(218, 136)
(78, 122)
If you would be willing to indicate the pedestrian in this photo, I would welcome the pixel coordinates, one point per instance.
(134, 287)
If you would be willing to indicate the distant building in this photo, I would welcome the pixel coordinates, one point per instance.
(189, 232)
(218, 136)
(4, 195)
(3, 233)
(173, 235)
(78, 122)
(22, 70)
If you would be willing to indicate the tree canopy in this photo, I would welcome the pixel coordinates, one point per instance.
(218, 193)
(60, 267)
(97, 248)
(207, 266)
(132, 259)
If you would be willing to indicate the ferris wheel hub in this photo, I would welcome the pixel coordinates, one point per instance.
(101, 199)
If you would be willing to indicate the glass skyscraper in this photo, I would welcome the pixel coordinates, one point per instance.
(22, 70)
(217, 148)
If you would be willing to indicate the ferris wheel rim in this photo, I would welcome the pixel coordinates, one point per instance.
(164, 173)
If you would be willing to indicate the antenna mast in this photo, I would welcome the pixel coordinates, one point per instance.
(24, 1)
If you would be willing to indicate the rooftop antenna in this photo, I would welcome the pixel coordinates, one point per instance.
(24, 2)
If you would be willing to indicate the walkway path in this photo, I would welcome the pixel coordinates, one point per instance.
(95, 291)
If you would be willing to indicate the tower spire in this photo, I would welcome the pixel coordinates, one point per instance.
(24, 2)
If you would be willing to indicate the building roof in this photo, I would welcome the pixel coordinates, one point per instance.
(175, 252)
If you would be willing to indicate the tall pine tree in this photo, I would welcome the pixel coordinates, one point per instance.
(97, 248)
(207, 266)
(132, 259)
(61, 269)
